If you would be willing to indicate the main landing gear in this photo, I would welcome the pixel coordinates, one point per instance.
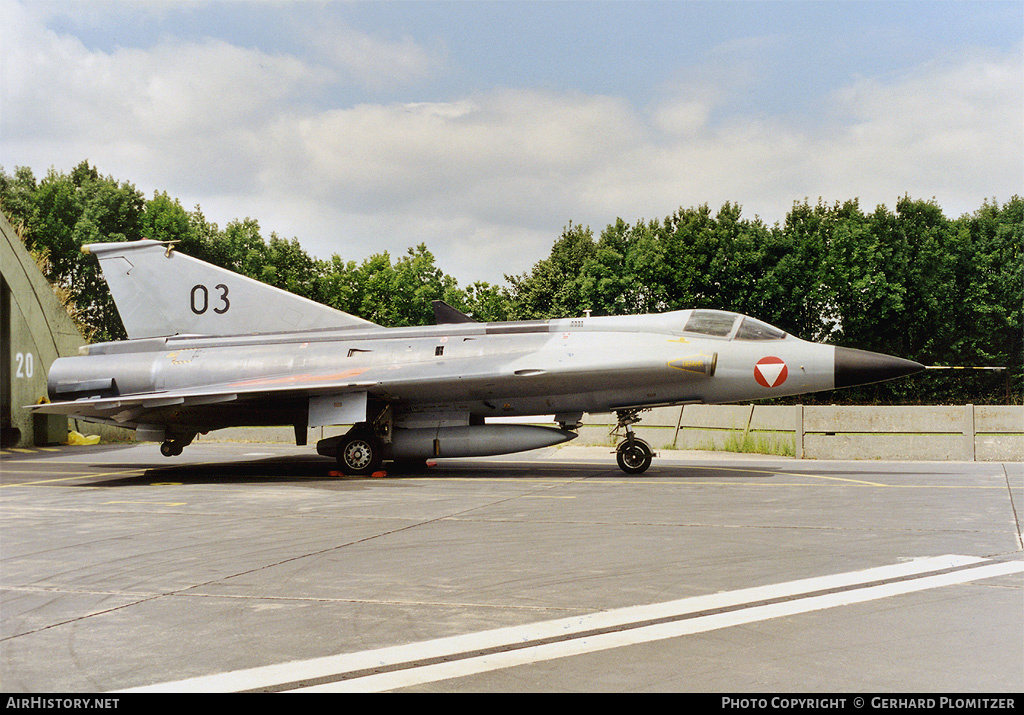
(172, 447)
(360, 452)
(633, 454)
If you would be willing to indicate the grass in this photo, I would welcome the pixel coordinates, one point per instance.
(754, 443)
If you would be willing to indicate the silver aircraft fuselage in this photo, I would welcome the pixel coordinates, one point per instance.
(409, 391)
(596, 364)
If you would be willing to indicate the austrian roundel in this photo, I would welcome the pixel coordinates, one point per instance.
(770, 372)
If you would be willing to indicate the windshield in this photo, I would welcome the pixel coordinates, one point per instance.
(711, 322)
(721, 324)
(756, 330)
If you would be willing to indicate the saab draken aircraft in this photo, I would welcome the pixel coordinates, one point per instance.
(208, 349)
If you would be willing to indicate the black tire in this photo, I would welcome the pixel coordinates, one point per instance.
(634, 459)
(360, 453)
(171, 449)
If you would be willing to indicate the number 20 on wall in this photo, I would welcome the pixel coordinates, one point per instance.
(24, 365)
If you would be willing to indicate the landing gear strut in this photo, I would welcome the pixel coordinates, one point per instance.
(633, 454)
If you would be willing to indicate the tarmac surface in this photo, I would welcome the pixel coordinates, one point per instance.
(249, 567)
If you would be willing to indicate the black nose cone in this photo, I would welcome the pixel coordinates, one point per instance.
(860, 367)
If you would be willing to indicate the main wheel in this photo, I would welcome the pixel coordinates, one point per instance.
(634, 459)
(171, 448)
(360, 453)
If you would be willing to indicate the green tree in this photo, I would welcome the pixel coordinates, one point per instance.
(416, 284)
(289, 267)
(484, 302)
(623, 276)
(983, 323)
(803, 300)
(17, 194)
(165, 220)
(373, 283)
(71, 210)
(908, 282)
(556, 288)
(340, 286)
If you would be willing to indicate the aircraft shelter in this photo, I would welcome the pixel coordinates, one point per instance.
(35, 330)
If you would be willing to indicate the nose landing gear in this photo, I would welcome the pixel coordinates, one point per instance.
(633, 454)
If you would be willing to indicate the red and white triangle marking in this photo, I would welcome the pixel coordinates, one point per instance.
(770, 371)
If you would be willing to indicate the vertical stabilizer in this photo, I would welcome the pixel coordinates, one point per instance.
(445, 314)
(160, 292)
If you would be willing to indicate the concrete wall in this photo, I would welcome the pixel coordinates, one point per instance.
(961, 432)
(958, 433)
(703, 427)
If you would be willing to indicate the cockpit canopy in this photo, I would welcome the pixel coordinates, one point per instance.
(723, 324)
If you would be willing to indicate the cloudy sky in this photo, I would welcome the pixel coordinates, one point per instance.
(483, 128)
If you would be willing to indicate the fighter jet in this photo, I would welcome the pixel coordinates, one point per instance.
(208, 349)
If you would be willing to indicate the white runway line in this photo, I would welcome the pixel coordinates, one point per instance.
(633, 626)
(471, 666)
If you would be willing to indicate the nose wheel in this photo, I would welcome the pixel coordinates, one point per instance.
(633, 455)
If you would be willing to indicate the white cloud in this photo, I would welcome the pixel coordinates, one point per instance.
(178, 107)
(681, 117)
(411, 154)
(489, 179)
(951, 129)
(373, 61)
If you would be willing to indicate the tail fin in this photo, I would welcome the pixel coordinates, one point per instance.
(159, 292)
(445, 314)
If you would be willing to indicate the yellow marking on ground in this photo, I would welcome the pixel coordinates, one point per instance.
(702, 482)
(44, 482)
(139, 471)
(795, 474)
(633, 481)
(65, 462)
(865, 482)
(150, 503)
(27, 471)
(822, 476)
